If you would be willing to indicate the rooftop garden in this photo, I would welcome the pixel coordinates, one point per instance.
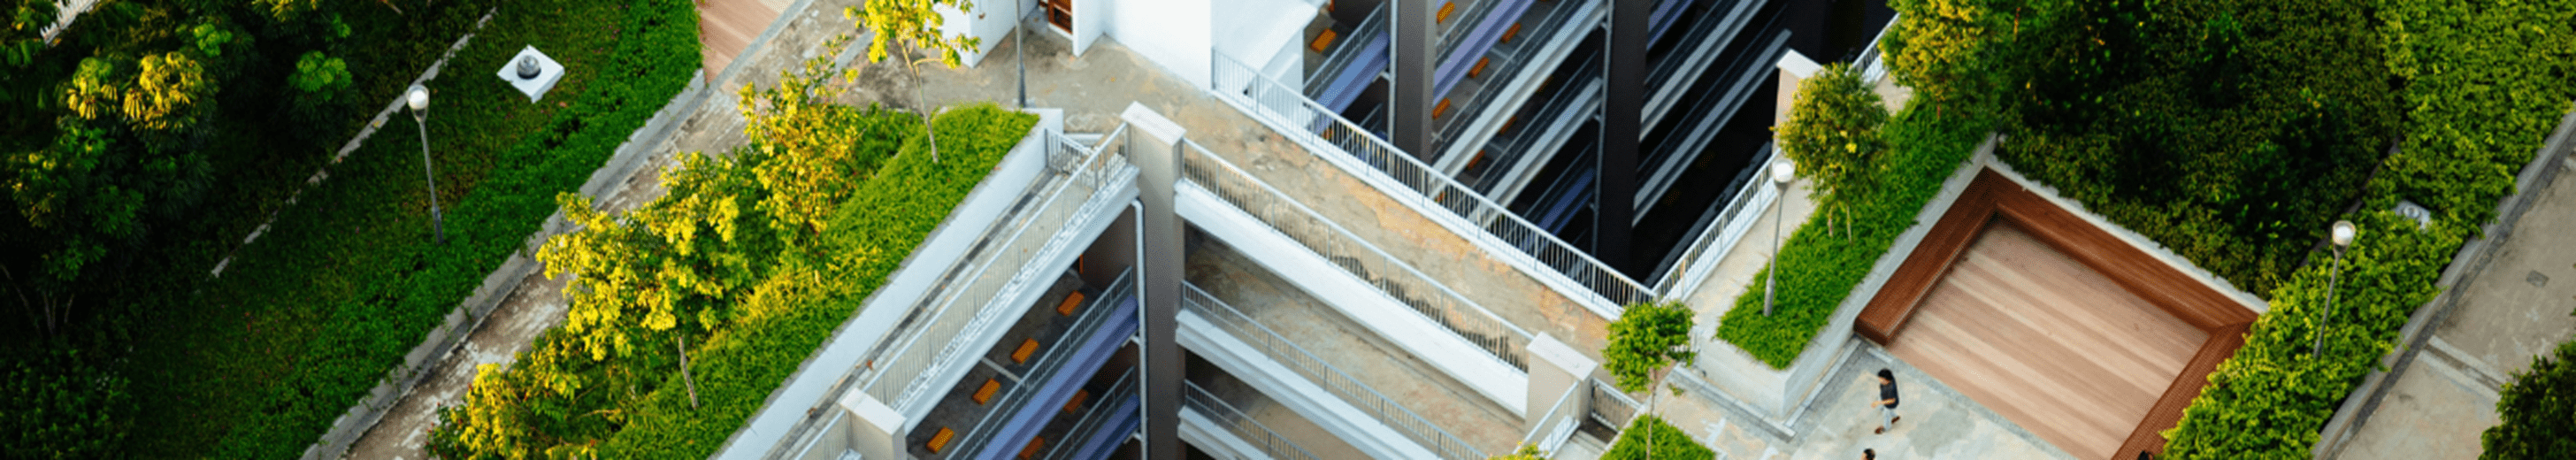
(2230, 132)
(722, 274)
(153, 136)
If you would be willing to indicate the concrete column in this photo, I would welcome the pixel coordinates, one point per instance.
(1558, 370)
(1154, 146)
(1615, 203)
(872, 429)
(1409, 110)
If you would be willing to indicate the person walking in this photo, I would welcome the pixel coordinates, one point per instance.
(1886, 401)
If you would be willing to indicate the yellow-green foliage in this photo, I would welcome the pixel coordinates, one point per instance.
(751, 303)
(1833, 136)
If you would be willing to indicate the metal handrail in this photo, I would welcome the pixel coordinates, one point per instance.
(1500, 338)
(1332, 379)
(1243, 426)
(1732, 224)
(1469, 213)
(1048, 365)
(1542, 425)
(927, 346)
(1625, 407)
(1091, 421)
(1871, 64)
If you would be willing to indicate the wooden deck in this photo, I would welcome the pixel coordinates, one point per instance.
(2053, 322)
(725, 27)
(2045, 341)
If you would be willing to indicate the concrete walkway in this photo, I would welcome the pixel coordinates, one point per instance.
(1096, 86)
(2517, 308)
(1345, 344)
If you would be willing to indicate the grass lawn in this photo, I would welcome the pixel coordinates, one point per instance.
(257, 363)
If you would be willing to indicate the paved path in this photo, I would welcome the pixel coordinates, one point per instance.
(2517, 308)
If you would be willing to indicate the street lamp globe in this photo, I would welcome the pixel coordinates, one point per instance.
(2343, 233)
(1782, 172)
(418, 98)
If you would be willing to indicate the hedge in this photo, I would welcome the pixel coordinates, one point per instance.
(1820, 266)
(352, 274)
(1669, 443)
(789, 317)
(539, 405)
(2484, 84)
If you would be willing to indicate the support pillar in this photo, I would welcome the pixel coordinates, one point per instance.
(1409, 110)
(1615, 200)
(1560, 375)
(1154, 146)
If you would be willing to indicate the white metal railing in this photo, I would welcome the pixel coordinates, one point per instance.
(1872, 65)
(1732, 223)
(966, 306)
(65, 11)
(1329, 135)
(1620, 408)
(1332, 379)
(1242, 426)
(1365, 261)
(1545, 433)
(1104, 311)
(1094, 420)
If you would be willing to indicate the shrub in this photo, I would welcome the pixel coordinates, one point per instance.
(1646, 338)
(2480, 81)
(1668, 443)
(1833, 136)
(2230, 131)
(1818, 270)
(410, 285)
(2270, 398)
(2539, 410)
(756, 333)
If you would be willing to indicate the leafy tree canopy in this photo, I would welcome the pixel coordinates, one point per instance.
(1647, 338)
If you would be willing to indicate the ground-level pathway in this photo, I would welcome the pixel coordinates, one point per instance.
(2518, 307)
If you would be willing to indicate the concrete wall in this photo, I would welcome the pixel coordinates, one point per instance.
(1172, 33)
(1113, 252)
(990, 22)
(1416, 334)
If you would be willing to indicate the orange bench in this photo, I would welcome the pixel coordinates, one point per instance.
(1027, 347)
(1070, 301)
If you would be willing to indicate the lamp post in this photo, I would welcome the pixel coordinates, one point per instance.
(2342, 237)
(1781, 173)
(418, 98)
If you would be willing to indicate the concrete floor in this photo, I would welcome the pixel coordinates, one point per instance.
(1351, 347)
(2517, 308)
(1095, 87)
(1269, 413)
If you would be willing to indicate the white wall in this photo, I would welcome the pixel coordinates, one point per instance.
(989, 21)
(1172, 33)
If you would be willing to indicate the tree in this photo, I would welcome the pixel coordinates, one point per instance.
(1833, 136)
(1527, 452)
(915, 25)
(812, 148)
(667, 268)
(2539, 410)
(1647, 339)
